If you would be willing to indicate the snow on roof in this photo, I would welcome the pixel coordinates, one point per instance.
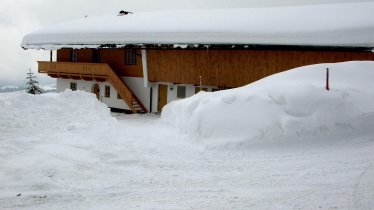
(347, 24)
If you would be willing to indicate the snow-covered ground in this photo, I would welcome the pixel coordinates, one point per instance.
(66, 151)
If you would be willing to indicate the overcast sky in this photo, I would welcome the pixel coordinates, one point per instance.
(19, 17)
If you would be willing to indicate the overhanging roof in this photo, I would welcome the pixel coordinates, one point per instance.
(344, 25)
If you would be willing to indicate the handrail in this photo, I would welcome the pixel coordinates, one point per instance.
(93, 70)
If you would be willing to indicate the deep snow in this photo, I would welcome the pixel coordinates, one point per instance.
(288, 106)
(347, 24)
(66, 151)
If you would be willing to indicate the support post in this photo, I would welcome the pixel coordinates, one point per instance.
(145, 68)
(50, 56)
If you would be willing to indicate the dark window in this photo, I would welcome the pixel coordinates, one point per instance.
(181, 92)
(73, 86)
(118, 96)
(198, 89)
(73, 56)
(107, 91)
(95, 56)
(131, 58)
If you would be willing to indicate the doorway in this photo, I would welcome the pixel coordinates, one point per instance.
(162, 96)
(96, 90)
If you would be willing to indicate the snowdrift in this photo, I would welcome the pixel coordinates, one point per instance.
(67, 111)
(292, 105)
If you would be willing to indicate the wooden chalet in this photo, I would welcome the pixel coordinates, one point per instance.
(145, 73)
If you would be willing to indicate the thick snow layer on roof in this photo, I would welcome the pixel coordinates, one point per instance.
(349, 24)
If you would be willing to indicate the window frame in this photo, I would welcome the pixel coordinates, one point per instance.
(73, 86)
(179, 87)
(96, 56)
(131, 57)
(107, 91)
(73, 56)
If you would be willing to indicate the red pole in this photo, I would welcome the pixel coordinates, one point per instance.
(327, 79)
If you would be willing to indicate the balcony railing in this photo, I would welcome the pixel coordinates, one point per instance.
(68, 69)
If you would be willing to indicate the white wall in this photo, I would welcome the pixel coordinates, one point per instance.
(190, 91)
(135, 84)
(172, 92)
(154, 97)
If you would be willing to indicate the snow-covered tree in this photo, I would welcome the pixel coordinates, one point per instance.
(32, 86)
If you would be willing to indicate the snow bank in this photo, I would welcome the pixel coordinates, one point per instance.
(348, 24)
(68, 111)
(286, 106)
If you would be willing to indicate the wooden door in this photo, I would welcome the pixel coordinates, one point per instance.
(96, 90)
(162, 96)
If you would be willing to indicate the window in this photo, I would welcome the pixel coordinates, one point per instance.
(181, 92)
(73, 56)
(131, 58)
(107, 91)
(118, 96)
(73, 86)
(95, 56)
(198, 89)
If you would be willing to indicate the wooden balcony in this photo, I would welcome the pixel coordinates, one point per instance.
(69, 70)
(92, 71)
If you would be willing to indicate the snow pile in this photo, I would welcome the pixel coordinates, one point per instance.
(67, 111)
(64, 151)
(348, 24)
(286, 106)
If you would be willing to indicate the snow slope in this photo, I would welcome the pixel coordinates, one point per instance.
(288, 106)
(65, 151)
(348, 24)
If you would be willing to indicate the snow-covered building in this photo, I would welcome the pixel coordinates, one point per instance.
(142, 61)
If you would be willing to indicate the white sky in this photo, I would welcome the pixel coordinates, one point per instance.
(19, 17)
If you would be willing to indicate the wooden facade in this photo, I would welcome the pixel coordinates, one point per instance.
(223, 68)
(234, 68)
(115, 58)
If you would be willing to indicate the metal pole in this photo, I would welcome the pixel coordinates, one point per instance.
(150, 100)
(327, 79)
(200, 83)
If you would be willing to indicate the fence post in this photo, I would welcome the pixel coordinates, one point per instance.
(327, 79)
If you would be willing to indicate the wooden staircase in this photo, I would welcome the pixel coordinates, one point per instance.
(125, 92)
(93, 71)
